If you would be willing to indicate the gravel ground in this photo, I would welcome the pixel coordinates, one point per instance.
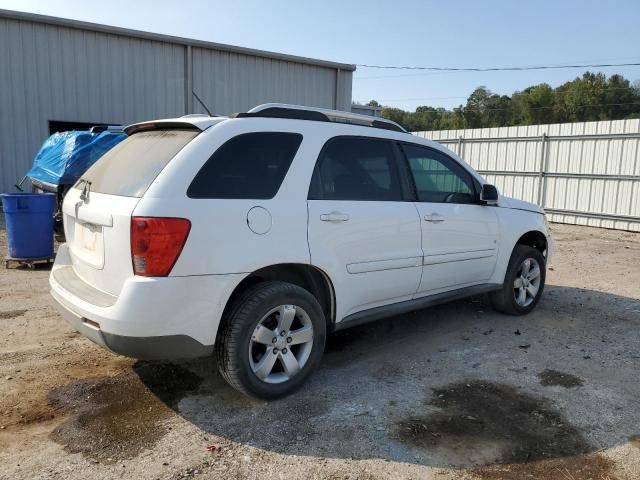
(452, 392)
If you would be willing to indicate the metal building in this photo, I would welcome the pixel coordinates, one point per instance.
(366, 110)
(58, 74)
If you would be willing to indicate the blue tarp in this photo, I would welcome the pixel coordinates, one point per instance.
(65, 156)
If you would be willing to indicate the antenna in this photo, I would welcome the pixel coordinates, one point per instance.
(201, 103)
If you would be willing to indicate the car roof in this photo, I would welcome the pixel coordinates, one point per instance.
(271, 110)
(345, 120)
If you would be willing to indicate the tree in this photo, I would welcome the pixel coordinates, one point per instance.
(476, 109)
(535, 104)
(452, 120)
(373, 103)
(428, 117)
(395, 114)
(583, 97)
(499, 111)
(619, 98)
(590, 97)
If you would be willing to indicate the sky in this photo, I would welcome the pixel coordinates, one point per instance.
(454, 33)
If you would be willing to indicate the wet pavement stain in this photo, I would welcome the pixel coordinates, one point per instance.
(37, 416)
(580, 467)
(555, 378)
(483, 423)
(7, 314)
(117, 417)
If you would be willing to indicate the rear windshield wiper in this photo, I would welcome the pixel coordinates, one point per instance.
(84, 196)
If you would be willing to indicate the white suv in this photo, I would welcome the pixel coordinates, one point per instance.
(255, 235)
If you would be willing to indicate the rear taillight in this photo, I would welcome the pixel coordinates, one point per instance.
(156, 244)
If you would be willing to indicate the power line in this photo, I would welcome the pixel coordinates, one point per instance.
(497, 69)
(573, 106)
(586, 105)
(417, 74)
(482, 110)
(596, 91)
(608, 61)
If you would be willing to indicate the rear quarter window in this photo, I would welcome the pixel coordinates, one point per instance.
(131, 166)
(249, 166)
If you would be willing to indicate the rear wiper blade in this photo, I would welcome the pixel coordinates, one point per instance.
(84, 196)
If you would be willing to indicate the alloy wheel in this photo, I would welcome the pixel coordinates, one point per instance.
(527, 282)
(281, 344)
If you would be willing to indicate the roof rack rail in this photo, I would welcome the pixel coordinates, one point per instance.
(196, 115)
(298, 112)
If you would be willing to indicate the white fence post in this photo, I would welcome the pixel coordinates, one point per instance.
(460, 145)
(542, 179)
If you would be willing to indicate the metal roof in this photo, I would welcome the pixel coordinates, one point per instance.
(96, 27)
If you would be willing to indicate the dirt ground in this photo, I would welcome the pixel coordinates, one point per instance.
(453, 392)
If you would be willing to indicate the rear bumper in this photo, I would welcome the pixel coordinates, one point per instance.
(163, 347)
(151, 318)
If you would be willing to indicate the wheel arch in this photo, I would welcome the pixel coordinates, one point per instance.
(535, 239)
(306, 276)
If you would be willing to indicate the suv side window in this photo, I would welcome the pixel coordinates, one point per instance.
(356, 168)
(438, 178)
(250, 166)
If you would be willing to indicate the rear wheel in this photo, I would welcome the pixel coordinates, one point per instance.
(523, 283)
(271, 340)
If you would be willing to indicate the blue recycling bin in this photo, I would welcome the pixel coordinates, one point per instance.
(29, 222)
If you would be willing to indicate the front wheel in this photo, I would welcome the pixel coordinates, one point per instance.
(523, 282)
(271, 340)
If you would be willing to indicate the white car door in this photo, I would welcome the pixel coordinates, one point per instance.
(361, 231)
(459, 235)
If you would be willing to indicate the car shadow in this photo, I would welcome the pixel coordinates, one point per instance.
(455, 385)
(26, 265)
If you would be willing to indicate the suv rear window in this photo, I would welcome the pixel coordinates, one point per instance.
(131, 166)
(251, 166)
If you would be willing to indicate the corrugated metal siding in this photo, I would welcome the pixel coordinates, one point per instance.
(56, 73)
(365, 110)
(582, 173)
(228, 82)
(65, 73)
(346, 90)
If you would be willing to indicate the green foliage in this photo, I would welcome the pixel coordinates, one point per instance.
(588, 98)
(535, 105)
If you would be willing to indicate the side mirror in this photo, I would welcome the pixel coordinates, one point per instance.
(489, 194)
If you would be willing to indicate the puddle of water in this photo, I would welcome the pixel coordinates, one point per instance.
(482, 423)
(555, 378)
(118, 417)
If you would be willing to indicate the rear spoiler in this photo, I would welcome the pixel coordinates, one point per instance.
(160, 125)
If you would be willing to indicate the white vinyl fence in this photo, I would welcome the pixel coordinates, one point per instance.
(581, 173)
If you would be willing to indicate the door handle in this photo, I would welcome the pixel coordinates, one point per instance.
(434, 218)
(334, 217)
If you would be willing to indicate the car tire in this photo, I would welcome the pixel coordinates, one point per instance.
(511, 299)
(265, 308)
